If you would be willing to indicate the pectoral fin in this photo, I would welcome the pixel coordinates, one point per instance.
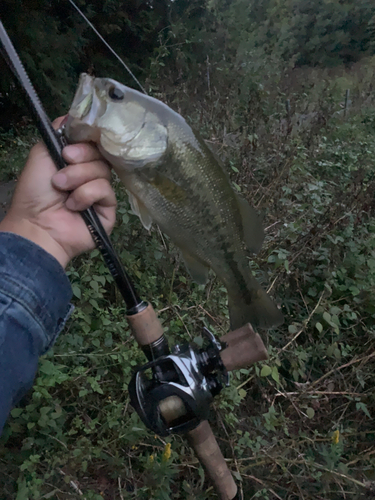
(197, 270)
(140, 210)
(167, 187)
(253, 233)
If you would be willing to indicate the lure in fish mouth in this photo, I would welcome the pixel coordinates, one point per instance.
(173, 179)
(84, 98)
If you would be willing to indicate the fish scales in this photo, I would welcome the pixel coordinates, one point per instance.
(174, 180)
(206, 235)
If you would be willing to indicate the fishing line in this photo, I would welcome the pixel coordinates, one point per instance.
(108, 46)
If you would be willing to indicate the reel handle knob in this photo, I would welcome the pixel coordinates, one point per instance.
(244, 347)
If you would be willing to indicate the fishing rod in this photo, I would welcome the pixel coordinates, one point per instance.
(176, 397)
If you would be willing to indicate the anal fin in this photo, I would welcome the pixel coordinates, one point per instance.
(261, 312)
(197, 270)
(252, 226)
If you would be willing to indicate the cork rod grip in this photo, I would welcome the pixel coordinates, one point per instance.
(145, 326)
(205, 445)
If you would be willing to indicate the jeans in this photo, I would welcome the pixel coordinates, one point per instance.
(35, 296)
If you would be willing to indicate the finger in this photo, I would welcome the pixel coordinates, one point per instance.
(81, 153)
(58, 121)
(98, 191)
(74, 176)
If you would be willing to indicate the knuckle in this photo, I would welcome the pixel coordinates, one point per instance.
(89, 152)
(100, 170)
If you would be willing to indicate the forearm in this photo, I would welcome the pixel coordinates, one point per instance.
(34, 305)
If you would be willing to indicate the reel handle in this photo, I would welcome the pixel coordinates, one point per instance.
(244, 347)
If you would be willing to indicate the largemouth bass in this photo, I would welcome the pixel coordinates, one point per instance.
(174, 180)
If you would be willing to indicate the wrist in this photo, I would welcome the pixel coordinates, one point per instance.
(31, 231)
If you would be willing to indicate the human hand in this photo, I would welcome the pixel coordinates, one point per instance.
(46, 203)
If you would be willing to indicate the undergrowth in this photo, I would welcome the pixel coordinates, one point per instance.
(298, 426)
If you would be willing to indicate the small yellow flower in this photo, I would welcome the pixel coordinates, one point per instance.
(151, 458)
(167, 452)
(335, 437)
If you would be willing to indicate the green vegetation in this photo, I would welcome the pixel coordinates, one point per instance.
(299, 426)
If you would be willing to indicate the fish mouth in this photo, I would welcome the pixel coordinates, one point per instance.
(83, 98)
(86, 105)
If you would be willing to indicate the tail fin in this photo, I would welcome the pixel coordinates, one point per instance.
(260, 311)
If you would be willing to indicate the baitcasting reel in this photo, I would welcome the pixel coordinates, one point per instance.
(172, 394)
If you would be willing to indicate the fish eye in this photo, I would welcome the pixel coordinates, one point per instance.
(115, 93)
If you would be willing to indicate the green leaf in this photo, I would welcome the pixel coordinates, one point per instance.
(198, 341)
(266, 371)
(354, 290)
(363, 407)
(23, 491)
(310, 412)
(335, 310)
(237, 475)
(47, 367)
(100, 279)
(292, 329)
(16, 412)
(337, 353)
(76, 291)
(242, 393)
(94, 303)
(275, 374)
(327, 317)
(319, 327)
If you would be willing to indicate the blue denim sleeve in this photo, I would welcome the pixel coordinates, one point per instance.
(34, 306)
